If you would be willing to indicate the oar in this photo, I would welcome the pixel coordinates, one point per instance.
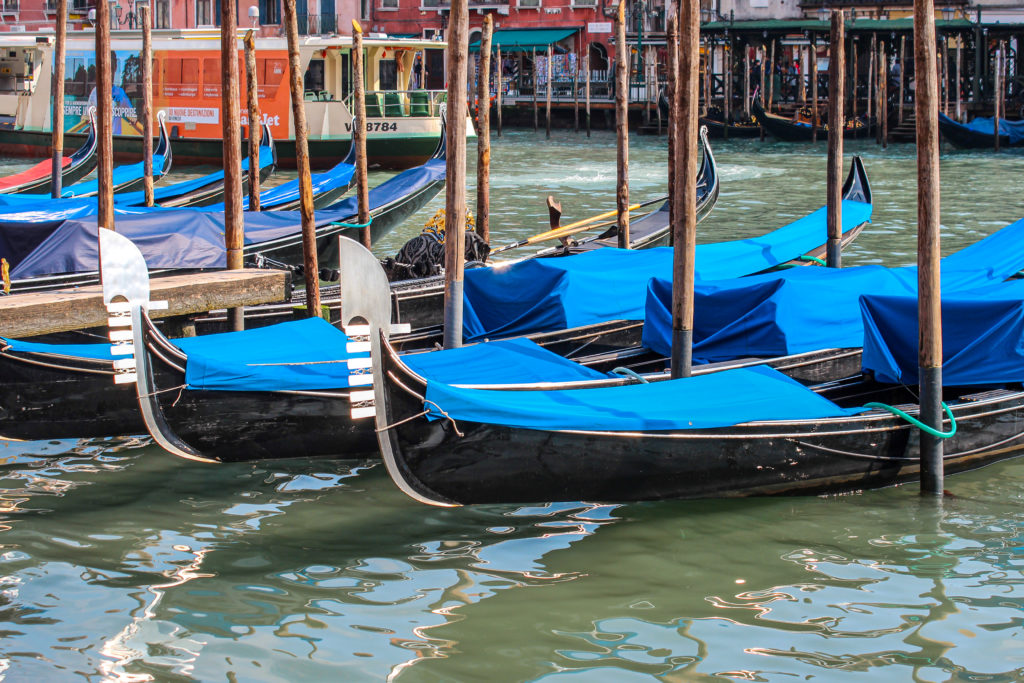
(567, 230)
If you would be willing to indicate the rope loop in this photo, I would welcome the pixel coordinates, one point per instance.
(916, 422)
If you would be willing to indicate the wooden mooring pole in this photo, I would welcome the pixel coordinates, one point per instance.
(536, 81)
(104, 119)
(234, 226)
(804, 67)
(672, 43)
(771, 76)
(728, 61)
(586, 90)
(455, 187)
(959, 81)
(683, 194)
(57, 118)
(813, 70)
(997, 99)
(903, 80)
(622, 126)
(498, 74)
(309, 253)
(255, 124)
(359, 134)
(746, 82)
(882, 110)
(870, 96)
(576, 97)
(836, 98)
(926, 102)
(147, 103)
(547, 97)
(483, 139)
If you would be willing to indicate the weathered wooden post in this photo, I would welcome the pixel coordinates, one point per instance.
(853, 78)
(746, 82)
(997, 100)
(728, 61)
(671, 88)
(536, 81)
(945, 75)
(455, 187)
(57, 117)
(836, 98)
(871, 97)
(234, 226)
(547, 99)
(359, 133)
(684, 191)
(804, 66)
(498, 73)
(483, 139)
(928, 274)
(586, 90)
(255, 124)
(576, 96)
(310, 261)
(882, 110)
(771, 76)
(763, 90)
(814, 88)
(622, 126)
(903, 79)
(959, 82)
(104, 119)
(147, 103)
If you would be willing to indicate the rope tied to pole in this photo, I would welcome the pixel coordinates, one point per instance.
(339, 224)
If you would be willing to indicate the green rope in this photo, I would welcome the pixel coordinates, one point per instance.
(353, 225)
(813, 259)
(917, 423)
(626, 372)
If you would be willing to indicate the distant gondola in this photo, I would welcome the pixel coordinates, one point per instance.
(786, 129)
(714, 121)
(38, 179)
(980, 132)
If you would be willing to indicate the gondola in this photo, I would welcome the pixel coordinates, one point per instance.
(980, 132)
(738, 432)
(714, 121)
(64, 254)
(786, 129)
(128, 178)
(42, 376)
(38, 179)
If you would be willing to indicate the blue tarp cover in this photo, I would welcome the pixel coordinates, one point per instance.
(509, 361)
(306, 354)
(121, 176)
(193, 238)
(982, 337)
(538, 295)
(985, 124)
(805, 309)
(717, 399)
(100, 351)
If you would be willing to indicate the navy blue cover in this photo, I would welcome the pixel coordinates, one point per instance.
(982, 337)
(806, 309)
(718, 399)
(509, 361)
(193, 238)
(538, 295)
(985, 124)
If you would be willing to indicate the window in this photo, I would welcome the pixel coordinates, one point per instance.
(204, 13)
(530, 3)
(388, 73)
(181, 77)
(211, 77)
(270, 12)
(162, 14)
(389, 3)
(76, 77)
(584, 3)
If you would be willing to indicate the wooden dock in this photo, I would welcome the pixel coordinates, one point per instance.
(36, 313)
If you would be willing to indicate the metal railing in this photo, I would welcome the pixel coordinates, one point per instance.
(383, 104)
(316, 24)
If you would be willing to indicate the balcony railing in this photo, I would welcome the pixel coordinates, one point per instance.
(10, 5)
(316, 24)
(649, 21)
(445, 4)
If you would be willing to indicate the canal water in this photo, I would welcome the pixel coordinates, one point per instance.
(119, 562)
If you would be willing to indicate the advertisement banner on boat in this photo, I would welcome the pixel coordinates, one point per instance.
(186, 85)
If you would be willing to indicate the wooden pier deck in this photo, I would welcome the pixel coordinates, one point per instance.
(36, 313)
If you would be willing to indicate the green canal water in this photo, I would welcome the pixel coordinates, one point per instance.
(119, 562)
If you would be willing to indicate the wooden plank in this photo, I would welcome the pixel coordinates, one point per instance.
(35, 313)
